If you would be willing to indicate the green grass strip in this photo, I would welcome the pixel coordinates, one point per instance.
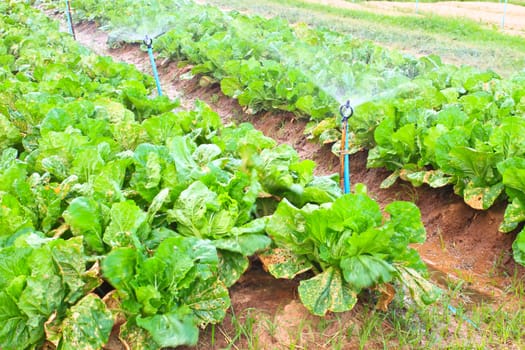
(457, 29)
(514, 2)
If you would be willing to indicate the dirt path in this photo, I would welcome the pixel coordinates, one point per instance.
(489, 13)
(463, 244)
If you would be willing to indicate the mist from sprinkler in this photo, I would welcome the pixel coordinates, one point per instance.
(161, 23)
(133, 29)
(338, 92)
(133, 35)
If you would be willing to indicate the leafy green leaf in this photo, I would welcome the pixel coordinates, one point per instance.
(209, 302)
(514, 214)
(405, 218)
(128, 225)
(282, 263)
(327, 292)
(363, 271)
(16, 331)
(422, 291)
(246, 245)
(231, 266)
(70, 260)
(137, 338)
(203, 213)
(87, 325)
(171, 329)
(85, 218)
(518, 248)
(9, 134)
(119, 267)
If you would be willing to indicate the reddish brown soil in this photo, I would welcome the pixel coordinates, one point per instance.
(463, 243)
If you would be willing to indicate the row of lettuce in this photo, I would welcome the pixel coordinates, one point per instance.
(120, 212)
(428, 122)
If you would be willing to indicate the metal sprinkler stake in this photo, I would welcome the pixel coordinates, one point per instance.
(69, 20)
(346, 112)
(149, 42)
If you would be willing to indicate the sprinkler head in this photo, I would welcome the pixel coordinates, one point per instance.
(148, 41)
(346, 110)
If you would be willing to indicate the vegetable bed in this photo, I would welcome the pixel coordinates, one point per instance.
(427, 122)
(120, 210)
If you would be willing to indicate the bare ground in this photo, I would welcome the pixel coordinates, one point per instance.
(463, 244)
(488, 13)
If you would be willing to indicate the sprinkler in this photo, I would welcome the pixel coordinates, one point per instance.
(346, 112)
(504, 12)
(149, 42)
(69, 20)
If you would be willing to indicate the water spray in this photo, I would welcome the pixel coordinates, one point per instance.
(346, 112)
(149, 42)
(69, 20)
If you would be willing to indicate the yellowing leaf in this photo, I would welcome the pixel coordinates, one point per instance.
(327, 292)
(387, 295)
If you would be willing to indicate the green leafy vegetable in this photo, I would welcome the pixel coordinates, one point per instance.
(171, 293)
(348, 245)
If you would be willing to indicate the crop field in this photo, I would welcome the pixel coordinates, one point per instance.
(178, 174)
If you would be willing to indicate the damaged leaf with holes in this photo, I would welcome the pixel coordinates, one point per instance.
(38, 276)
(87, 325)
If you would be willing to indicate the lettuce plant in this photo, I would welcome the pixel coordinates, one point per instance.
(170, 294)
(349, 246)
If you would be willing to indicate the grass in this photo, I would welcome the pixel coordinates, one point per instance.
(456, 40)
(471, 326)
(458, 29)
(244, 330)
(465, 325)
(515, 2)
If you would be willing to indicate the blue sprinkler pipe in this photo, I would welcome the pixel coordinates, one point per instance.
(346, 112)
(69, 20)
(149, 42)
(504, 13)
(454, 311)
